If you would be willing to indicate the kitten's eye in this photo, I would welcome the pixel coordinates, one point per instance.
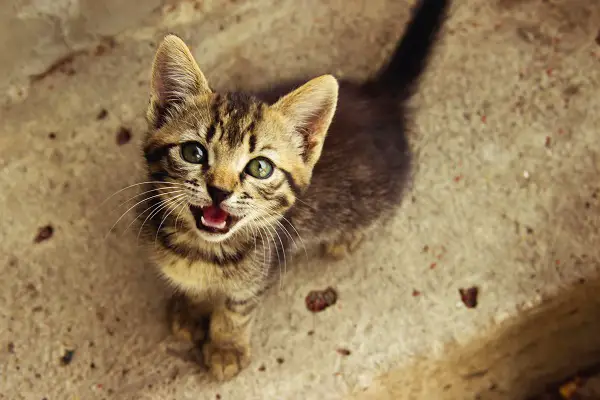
(260, 168)
(193, 152)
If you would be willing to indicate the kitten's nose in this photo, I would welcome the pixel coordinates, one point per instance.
(217, 195)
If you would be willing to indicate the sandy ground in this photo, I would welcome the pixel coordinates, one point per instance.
(505, 198)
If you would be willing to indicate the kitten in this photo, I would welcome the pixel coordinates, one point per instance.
(239, 178)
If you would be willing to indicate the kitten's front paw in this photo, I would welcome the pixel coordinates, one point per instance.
(225, 362)
(187, 322)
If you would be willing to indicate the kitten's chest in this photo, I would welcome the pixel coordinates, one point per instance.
(202, 276)
(190, 275)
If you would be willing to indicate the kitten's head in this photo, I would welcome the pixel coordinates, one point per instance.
(229, 162)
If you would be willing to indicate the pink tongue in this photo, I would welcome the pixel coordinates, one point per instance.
(214, 215)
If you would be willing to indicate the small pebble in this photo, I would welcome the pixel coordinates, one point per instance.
(67, 357)
(102, 114)
(318, 300)
(44, 233)
(343, 352)
(469, 296)
(123, 136)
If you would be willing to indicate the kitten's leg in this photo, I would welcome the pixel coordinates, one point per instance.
(189, 318)
(228, 350)
(344, 245)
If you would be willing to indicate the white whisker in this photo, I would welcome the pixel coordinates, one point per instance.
(126, 212)
(251, 225)
(264, 264)
(271, 211)
(284, 255)
(156, 211)
(305, 203)
(268, 227)
(266, 261)
(179, 215)
(137, 184)
(179, 189)
(268, 242)
(149, 208)
(178, 204)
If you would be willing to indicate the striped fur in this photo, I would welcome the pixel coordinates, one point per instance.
(333, 180)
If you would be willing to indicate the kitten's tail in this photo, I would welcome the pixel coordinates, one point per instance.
(401, 74)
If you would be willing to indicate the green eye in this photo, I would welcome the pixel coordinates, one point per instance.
(260, 168)
(193, 152)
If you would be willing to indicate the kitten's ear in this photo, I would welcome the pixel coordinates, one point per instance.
(175, 76)
(309, 109)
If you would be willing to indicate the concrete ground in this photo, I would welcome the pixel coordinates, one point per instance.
(505, 199)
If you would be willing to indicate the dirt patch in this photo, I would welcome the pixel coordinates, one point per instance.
(469, 296)
(319, 300)
(44, 233)
(123, 136)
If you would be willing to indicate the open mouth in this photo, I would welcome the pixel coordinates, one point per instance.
(213, 219)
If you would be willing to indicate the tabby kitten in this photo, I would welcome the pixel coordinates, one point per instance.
(239, 178)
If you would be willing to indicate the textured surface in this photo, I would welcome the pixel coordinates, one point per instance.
(40, 35)
(505, 197)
